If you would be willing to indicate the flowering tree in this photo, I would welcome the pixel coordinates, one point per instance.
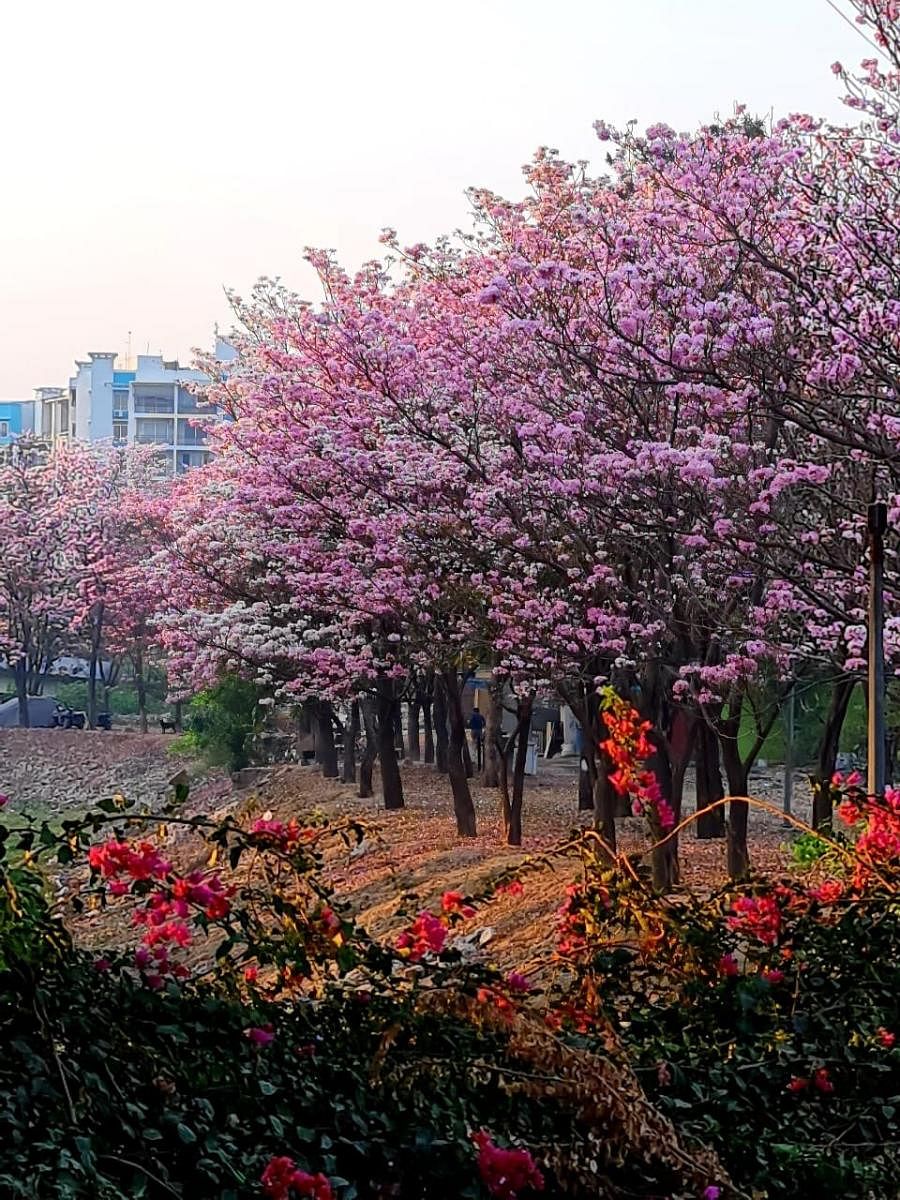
(40, 572)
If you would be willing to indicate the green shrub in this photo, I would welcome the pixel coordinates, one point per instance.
(221, 721)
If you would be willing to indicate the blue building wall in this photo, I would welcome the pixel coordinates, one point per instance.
(16, 418)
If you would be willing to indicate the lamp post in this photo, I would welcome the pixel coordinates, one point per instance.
(877, 524)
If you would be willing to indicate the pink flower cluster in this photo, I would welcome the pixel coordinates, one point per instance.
(286, 837)
(820, 1081)
(506, 1173)
(427, 934)
(167, 913)
(116, 858)
(757, 917)
(283, 1180)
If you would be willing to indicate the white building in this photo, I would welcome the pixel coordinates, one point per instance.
(148, 404)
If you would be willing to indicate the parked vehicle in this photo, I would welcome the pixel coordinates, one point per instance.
(44, 712)
(68, 718)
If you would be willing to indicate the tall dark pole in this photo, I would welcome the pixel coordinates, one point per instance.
(789, 753)
(876, 756)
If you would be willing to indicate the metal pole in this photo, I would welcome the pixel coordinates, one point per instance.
(789, 755)
(877, 524)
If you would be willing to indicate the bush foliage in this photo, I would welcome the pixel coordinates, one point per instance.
(739, 1043)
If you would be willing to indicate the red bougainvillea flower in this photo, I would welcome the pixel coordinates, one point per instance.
(427, 933)
(822, 1082)
(886, 1038)
(727, 965)
(452, 902)
(798, 1084)
(283, 1180)
(503, 1005)
(758, 917)
(141, 861)
(628, 747)
(773, 976)
(281, 836)
(506, 1173)
(828, 892)
(515, 887)
(260, 1035)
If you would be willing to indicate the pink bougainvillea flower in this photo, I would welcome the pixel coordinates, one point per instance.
(4, 800)
(886, 1038)
(758, 917)
(506, 1173)
(260, 1035)
(516, 982)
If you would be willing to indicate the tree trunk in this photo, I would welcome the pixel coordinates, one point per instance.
(370, 753)
(665, 858)
(399, 743)
(709, 783)
(140, 684)
(493, 721)
(428, 730)
(391, 783)
(449, 687)
(441, 748)
(176, 716)
(841, 695)
(92, 687)
(326, 752)
(467, 755)
(351, 736)
(736, 773)
(604, 802)
(22, 694)
(414, 733)
(586, 775)
(96, 640)
(512, 810)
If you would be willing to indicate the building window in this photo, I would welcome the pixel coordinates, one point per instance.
(120, 431)
(190, 435)
(188, 459)
(150, 431)
(4, 428)
(153, 398)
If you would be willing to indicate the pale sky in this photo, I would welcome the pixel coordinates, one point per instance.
(154, 153)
